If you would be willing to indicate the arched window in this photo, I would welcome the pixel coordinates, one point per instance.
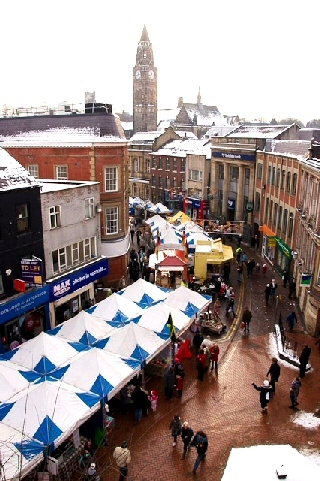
(283, 176)
(278, 177)
(285, 221)
(273, 175)
(269, 174)
(288, 181)
(290, 231)
(294, 184)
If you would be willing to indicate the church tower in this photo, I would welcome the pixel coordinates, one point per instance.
(144, 87)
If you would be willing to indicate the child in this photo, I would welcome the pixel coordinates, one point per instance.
(264, 270)
(257, 269)
(154, 400)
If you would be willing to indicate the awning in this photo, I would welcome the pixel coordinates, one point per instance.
(267, 231)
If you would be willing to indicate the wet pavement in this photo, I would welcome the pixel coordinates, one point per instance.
(225, 406)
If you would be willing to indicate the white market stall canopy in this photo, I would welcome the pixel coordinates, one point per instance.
(144, 293)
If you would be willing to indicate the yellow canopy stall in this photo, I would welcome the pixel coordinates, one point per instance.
(179, 216)
(212, 252)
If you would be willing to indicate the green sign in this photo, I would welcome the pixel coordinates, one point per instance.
(286, 250)
(249, 207)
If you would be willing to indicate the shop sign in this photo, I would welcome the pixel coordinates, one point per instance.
(286, 250)
(196, 203)
(24, 303)
(233, 156)
(272, 241)
(31, 271)
(76, 280)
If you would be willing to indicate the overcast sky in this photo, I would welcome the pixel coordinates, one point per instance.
(255, 59)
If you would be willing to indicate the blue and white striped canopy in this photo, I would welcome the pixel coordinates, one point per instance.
(13, 379)
(187, 301)
(156, 318)
(144, 293)
(116, 309)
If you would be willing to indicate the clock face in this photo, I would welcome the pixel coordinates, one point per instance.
(138, 74)
(151, 74)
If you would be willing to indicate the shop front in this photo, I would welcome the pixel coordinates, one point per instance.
(269, 243)
(196, 209)
(283, 257)
(23, 318)
(74, 291)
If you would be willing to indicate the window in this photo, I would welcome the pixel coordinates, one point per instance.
(154, 181)
(183, 165)
(259, 171)
(234, 173)
(288, 181)
(283, 176)
(278, 178)
(160, 166)
(161, 182)
(135, 165)
(55, 216)
(168, 182)
(275, 214)
(111, 174)
(168, 164)
(221, 171)
(285, 221)
(73, 254)
(1, 284)
(257, 202)
(290, 231)
(294, 184)
(174, 165)
(273, 180)
(267, 209)
(61, 172)
(154, 162)
(148, 165)
(33, 170)
(280, 217)
(195, 175)
(247, 176)
(112, 220)
(89, 207)
(271, 211)
(22, 217)
(269, 174)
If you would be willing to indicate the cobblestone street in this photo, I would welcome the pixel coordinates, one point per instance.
(226, 406)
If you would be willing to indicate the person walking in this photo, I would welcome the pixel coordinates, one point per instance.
(292, 288)
(214, 351)
(246, 318)
(201, 364)
(304, 359)
(267, 293)
(250, 266)
(273, 287)
(238, 254)
(175, 427)
(264, 269)
(274, 373)
(122, 456)
(285, 278)
(186, 435)
(294, 392)
(264, 390)
(200, 441)
(291, 319)
(138, 401)
(169, 382)
(240, 271)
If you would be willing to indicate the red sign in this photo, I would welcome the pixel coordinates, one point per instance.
(19, 285)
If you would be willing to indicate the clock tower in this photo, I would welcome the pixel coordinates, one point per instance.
(144, 87)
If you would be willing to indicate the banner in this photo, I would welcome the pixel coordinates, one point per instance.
(31, 271)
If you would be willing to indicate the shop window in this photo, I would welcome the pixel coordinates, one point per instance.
(221, 171)
(89, 207)
(111, 179)
(22, 217)
(61, 172)
(55, 216)
(247, 176)
(234, 173)
(112, 220)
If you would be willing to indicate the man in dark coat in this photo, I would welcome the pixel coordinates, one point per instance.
(246, 318)
(274, 372)
(169, 382)
(264, 390)
(186, 435)
(200, 441)
(304, 359)
(139, 402)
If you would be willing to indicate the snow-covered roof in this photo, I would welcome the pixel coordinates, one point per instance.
(145, 137)
(258, 131)
(180, 148)
(49, 185)
(12, 174)
(289, 147)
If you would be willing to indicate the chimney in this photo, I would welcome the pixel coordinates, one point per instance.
(180, 102)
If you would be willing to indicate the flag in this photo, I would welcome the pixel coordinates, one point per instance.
(172, 329)
(158, 241)
(306, 280)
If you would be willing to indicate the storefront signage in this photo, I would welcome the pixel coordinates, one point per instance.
(249, 207)
(287, 251)
(31, 270)
(233, 156)
(24, 303)
(272, 241)
(76, 280)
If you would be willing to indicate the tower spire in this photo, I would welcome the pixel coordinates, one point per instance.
(199, 97)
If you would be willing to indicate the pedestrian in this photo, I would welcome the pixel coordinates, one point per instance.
(264, 269)
(200, 441)
(186, 435)
(291, 319)
(274, 373)
(253, 242)
(267, 292)
(138, 402)
(122, 456)
(304, 359)
(124, 398)
(240, 271)
(176, 427)
(206, 350)
(264, 390)
(239, 240)
(153, 398)
(138, 234)
(238, 253)
(273, 288)
(257, 241)
(132, 233)
(169, 382)
(250, 266)
(246, 318)
(201, 364)
(180, 375)
(92, 474)
(294, 392)
(214, 351)
(226, 272)
(197, 341)
(244, 258)
(85, 459)
(292, 288)
(285, 278)
(257, 270)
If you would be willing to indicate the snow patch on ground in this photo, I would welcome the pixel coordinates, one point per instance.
(306, 420)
